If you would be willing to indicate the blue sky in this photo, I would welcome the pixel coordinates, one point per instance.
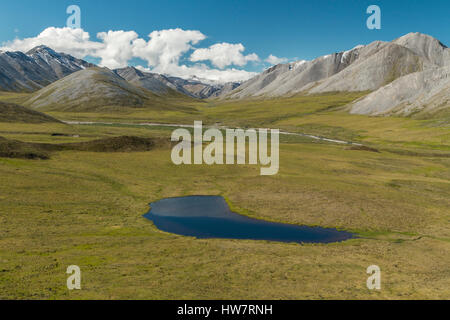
(290, 29)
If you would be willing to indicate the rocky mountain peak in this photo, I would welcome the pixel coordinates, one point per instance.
(36, 68)
(426, 46)
(41, 49)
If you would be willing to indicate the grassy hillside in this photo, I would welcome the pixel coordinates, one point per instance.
(99, 89)
(11, 112)
(14, 97)
(85, 208)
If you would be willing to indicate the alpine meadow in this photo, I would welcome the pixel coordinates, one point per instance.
(183, 166)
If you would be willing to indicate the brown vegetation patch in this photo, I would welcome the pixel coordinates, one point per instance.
(11, 112)
(26, 150)
(362, 148)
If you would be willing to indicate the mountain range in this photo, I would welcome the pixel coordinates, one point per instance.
(36, 69)
(406, 76)
(42, 66)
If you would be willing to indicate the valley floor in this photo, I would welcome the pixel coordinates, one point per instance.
(85, 209)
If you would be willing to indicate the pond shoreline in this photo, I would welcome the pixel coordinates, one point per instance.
(210, 217)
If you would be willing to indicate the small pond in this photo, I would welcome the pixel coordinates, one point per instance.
(206, 217)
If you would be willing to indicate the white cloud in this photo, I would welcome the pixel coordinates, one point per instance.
(75, 42)
(166, 47)
(162, 52)
(223, 55)
(117, 48)
(275, 60)
(143, 69)
(204, 72)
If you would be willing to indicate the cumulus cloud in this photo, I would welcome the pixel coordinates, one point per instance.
(162, 52)
(117, 48)
(166, 47)
(275, 60)
(202, 71)
(223, 55)
(75, 42)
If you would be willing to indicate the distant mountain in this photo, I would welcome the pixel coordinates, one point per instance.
(89, 89)
(424, 92)
(35, 69)
(10, 112)
(156, 83)
(363, 68)
(414, 52)
(41, 66)
(161, 84)
(203, 89)
(407, 76)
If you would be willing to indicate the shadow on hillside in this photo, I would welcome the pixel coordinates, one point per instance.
(28, 150)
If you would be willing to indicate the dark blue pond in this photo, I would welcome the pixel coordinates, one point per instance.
(210, 217)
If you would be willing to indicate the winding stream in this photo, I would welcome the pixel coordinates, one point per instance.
(154, 124)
